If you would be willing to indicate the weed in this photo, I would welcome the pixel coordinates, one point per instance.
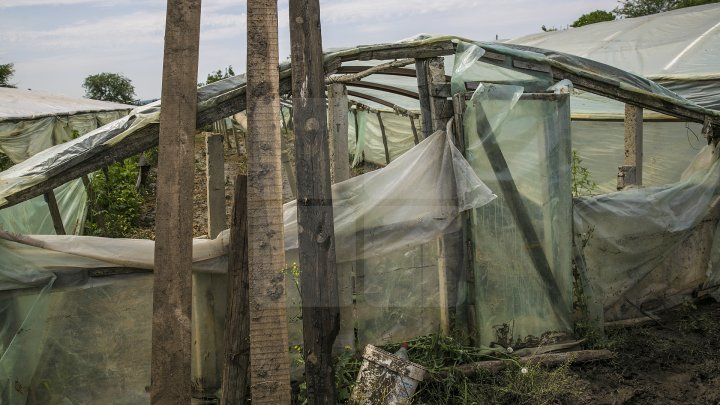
(582, 184)
(115, 208)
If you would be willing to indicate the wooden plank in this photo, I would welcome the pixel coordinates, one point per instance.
(630, 173)
(237, 319)
(206, 327)
(340, 171)
(384, 138)
(440, 108)
(55, 213)
(422, 66)
(215, 173)
(338, 128)
(316, 235)
(172, 283)
(384, 87)
(269, 357)
(414, 130)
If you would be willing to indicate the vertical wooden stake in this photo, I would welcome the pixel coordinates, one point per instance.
(421, 71)
(55, 213)
(269, 356)
(340, 171)
(172, 285)
(237, 318)
(414, 130)
(631, 171)
(384, 138)
(316, 236)
(215, 173)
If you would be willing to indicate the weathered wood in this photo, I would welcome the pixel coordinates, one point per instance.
(269, 357)
(545, 359)
(316, 236)
(340, 171)
(440, 108)
(414, 130)
(395, 71)
(215, 173)
(380, 101)
(207, 329)
(172, 284)
(384, 138)
(422, 68)
(384, 87)
(338, 132)
(381, 68)
(401, 51)
(55, 213)
(630, 173)
(237, 318)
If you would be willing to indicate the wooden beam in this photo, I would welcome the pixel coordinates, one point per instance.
(545, 359)
(384, 87)
(172, 283)
(370, 70)
(395, 71)
(316, 235)
(379, 101)
(630, 173)
(269, 357)
(55, 213)
(422, 68)
(237, 318)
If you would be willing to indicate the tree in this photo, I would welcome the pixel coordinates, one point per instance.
(639, 8)
(6, 72)
(218, 75)
(548, 29)
(109, 87)
(593, 17)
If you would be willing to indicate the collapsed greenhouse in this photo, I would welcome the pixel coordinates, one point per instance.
(470, 226)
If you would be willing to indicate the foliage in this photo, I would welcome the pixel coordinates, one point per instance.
(115, 206)
(218, 75)
(6, 72)
(638, 8)
(548, 29)
(109, 87)
(592, 18)
(582, 184)
(5, 162)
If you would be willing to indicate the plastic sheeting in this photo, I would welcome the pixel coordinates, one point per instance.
(680, 49)
(386, 222)
(633, 239)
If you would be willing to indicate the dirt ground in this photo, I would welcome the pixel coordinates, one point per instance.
(675, 360)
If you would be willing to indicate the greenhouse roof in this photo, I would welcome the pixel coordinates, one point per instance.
(17, 104)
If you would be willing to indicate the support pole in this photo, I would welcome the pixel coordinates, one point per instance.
(55, 213)
(316, 238)
(209, 289)
(630, 173)
(421, 68)
(269, 357)
(172, 284)
(340, 170)
(384, 138)
(237, 318)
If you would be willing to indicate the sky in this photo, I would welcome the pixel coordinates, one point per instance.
(55, 44)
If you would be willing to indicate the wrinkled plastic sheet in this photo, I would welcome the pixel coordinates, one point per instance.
(386, 222)
(633, 240)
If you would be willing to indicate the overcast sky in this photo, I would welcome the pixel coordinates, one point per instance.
(55, 44)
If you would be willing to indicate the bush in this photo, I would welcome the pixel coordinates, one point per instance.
(114, 208)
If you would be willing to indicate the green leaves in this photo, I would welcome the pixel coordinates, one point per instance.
(581, 182)
(6, 72)
(115, 208)
(109, 87)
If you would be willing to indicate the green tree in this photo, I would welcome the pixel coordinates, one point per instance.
(6, 72)
(109, 87)
(218, 75)
(638, 8)
(593, 17)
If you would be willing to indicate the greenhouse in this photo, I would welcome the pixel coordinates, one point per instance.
(469, 227)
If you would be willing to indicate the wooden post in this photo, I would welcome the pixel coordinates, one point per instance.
(55, 213)
(414, 130)
(215, 173)
(421, 70)
(338, 132)
(340, 171)
(207, 330)
(384, 138)
(269, 356)
(316, 236)
(630, 173)
(172, 285)
(237, 318)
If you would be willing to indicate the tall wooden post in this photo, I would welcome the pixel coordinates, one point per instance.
(631, 171)
(316, 239)
(421, 71)
(340, 171)
(172, 285)
(269, 357)
(237, 317)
